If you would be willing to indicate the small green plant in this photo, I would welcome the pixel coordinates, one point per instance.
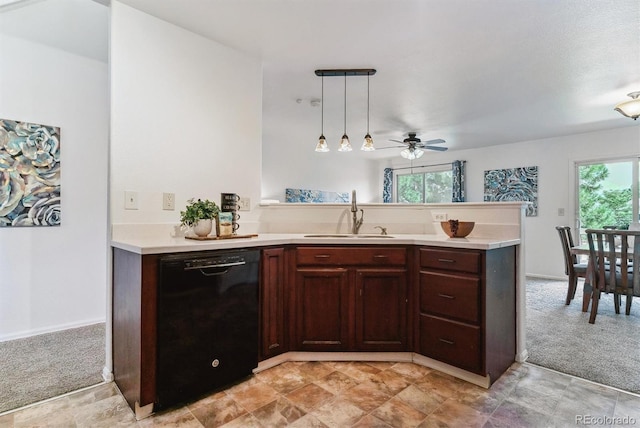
(198, 210)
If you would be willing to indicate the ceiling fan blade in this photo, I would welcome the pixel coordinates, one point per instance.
(398, 141)
(440, 149)
(436, 141)
(390, 147)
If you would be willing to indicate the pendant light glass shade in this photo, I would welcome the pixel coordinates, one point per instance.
(630, 108)
(367, 144)
(322, 145)
(322, 142)
(345, 145)
(412, 153)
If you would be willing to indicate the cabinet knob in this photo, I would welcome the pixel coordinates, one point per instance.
(215, 363)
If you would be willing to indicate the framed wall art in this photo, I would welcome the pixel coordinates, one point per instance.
(29, 174)
(513, 184)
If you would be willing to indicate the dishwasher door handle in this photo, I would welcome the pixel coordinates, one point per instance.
(221, 265)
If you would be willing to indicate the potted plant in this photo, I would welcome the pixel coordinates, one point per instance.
(199, 215)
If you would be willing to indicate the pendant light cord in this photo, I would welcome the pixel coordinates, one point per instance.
(322, 108)
(367, 104)
(345, 104)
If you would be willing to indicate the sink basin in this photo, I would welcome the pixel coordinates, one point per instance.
(329, 235)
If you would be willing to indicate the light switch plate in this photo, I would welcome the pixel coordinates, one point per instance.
(130, 200)
(245, 204)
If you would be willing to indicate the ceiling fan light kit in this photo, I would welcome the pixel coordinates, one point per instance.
(630, 108)
(345, 145)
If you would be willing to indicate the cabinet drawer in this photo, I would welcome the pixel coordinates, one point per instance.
(451, 342)
(457, 260)
(341, 256)
(449, 295)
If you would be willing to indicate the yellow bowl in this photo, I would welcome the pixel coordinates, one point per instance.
(463, 228)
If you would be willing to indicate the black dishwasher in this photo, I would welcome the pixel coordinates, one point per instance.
(207, 322)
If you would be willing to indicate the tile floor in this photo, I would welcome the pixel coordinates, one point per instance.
(358, 394)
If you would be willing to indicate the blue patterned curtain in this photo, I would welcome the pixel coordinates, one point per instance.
(387, 186)
(458, 181)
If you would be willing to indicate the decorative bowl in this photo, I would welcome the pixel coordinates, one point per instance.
(456, 228)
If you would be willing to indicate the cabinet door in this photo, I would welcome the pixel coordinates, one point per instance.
(272, 299)
(322, 309)
(381, 309)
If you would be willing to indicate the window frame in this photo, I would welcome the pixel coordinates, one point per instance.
(426, 169)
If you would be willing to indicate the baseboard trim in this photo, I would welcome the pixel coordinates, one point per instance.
(49, 329)
(394, 357)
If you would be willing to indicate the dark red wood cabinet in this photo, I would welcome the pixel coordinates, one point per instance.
(273, 303)
(350, 298)
(466, 308)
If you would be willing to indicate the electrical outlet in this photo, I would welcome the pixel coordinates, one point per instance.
(169, 201)
(440, 216)
(245, 204)
(130, 200)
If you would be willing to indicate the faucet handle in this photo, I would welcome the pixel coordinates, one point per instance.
(383, 230)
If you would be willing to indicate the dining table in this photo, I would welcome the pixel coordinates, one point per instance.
(587, 289)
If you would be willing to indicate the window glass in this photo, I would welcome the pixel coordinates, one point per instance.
(430, 186)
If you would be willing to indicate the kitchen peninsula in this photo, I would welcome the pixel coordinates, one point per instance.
(450, 304)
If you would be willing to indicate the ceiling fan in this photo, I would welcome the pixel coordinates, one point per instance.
(413, 146)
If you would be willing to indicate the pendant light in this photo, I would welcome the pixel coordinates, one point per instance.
(322, 142)
(367, 144)
(345, 146)
(630, 108)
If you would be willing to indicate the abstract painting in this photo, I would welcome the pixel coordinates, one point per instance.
(513, 184)
(29, 174)
(302, 195)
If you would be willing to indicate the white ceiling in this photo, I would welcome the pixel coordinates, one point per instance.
(473, 72)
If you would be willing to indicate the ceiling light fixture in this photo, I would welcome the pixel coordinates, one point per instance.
(412, 153)
(367, 144)
(630, 108)
(322, 142)
(345, 145)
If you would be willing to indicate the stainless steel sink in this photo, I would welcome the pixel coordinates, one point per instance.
(329, 235)
(326, 235)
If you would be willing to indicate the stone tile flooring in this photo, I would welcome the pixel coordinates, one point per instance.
(358, 394)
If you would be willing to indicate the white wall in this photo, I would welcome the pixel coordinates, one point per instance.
(186, 118)
(55, 277)
(555, 158)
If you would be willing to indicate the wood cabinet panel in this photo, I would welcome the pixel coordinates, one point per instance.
(351, 256)
(449, 259)
(449, 295)
(322, 309)
(458, 344)
(381, 309)
(272, 303)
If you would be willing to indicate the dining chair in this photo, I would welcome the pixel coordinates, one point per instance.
(615, 258)
(572, 268)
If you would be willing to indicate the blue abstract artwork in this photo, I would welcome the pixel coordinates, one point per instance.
(513, 184)
(304, 195)
(29, 174)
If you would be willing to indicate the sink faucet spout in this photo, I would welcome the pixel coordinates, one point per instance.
(355, 227)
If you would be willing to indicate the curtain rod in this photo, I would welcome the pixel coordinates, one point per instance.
(424, 166)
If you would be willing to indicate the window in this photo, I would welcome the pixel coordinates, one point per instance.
(432, 185)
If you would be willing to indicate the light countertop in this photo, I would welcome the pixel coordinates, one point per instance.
(168, 244)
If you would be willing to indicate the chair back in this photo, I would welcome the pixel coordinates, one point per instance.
(567, 242)
(615, 255)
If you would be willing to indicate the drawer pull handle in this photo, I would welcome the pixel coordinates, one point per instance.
(448, 342)
(446, 296)
(274, 345)
(446, 260)
(380, 256)
(322, 256)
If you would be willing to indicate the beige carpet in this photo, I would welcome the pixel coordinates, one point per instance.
(560, 337)
(44, 366)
